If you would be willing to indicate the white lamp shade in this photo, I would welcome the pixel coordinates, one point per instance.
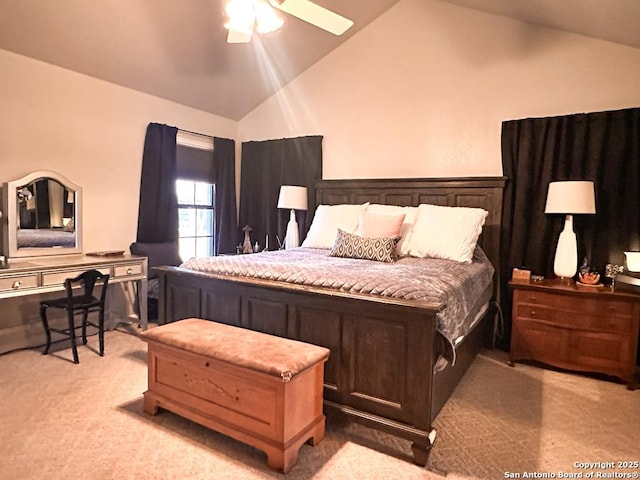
(572, 197)
(633, 261)
(292, 197)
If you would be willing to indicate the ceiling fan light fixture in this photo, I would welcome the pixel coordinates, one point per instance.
(267, 20)
(241, 16)
(244, 15)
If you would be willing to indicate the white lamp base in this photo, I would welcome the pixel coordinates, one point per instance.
(292, 237)
(565, 264)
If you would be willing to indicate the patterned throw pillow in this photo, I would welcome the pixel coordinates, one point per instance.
(349, 245)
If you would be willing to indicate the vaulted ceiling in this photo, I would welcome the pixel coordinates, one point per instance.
(178, 50)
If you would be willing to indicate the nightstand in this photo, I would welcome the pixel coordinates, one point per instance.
(577, 328)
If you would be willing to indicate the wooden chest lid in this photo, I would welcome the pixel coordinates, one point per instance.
(266, 353)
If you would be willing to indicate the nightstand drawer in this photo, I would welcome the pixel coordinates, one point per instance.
(601, 350)
(577, 304)
(539, 341)
(567, 319)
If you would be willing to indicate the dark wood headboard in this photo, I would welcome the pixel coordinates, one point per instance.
(479, 192)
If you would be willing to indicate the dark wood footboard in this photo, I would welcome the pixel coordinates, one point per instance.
(380, 370)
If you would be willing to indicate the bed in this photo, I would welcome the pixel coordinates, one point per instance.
(45, 237)
(385, 369)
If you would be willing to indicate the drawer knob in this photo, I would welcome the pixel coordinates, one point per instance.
(129, 271)
(17, 284)
(533, 313)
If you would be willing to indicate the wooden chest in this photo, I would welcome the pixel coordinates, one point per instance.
(262, 390)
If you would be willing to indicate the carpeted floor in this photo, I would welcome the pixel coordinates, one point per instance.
(61, 420)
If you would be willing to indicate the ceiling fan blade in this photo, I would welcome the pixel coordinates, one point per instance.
(238, 37)
(314, 14)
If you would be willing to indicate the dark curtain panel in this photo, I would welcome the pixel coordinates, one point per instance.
(158, 210)
(266, 165)
(224, 157)
(43, 213)
(603, 147)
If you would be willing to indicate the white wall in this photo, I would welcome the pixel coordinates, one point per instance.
(422, 91)
(90, 131)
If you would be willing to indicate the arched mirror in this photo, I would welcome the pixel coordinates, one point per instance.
(42, 216)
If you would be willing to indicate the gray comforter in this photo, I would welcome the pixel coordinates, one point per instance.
(456, 286)
(45, 237)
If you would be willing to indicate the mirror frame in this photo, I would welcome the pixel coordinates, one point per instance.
(10, 217)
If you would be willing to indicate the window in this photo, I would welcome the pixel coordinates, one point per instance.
(196, 194)
(196, 224)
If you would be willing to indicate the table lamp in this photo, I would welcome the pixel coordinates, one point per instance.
(569, 198)
(633, 261)
(294, 198)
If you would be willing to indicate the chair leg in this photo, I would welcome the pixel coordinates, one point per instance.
(45, 324)
(85, 314)
(101, 330)
(136, 300)
(72, 336)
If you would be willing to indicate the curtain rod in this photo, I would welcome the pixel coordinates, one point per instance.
(195, 133)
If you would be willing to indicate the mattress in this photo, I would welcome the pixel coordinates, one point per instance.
(457, 287)
(40, 238)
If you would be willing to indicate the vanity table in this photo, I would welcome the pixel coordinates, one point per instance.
(21, 279)
(42, 245)
(31, 276)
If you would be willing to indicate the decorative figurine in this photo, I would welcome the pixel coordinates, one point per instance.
(611, 271)
(246, 245)
(584, 268)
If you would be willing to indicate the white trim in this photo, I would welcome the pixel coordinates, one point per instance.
(194, 140)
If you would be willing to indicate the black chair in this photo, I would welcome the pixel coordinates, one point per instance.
(158, 254)
(79, 299)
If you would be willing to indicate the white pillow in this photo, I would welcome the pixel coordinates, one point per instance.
(410, 216)
(327, 220)
(447, 232)
(372, 225)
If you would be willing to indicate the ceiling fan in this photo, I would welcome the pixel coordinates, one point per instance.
(244, 15)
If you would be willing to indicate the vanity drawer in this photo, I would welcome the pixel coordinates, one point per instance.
(132, 269)
(18, 282)
(58, 278)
